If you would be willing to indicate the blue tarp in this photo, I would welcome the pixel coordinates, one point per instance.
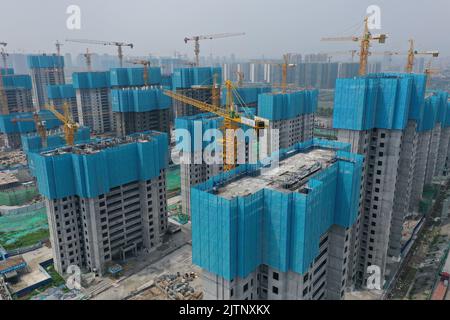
(17, 81)
(64, 91)
(197, 76)
(8, 126)
(7, 71)
(232, 237)
(139, 100)
(91, 80)
(44, 61)
(129, 77)
(288, 105)
(90, 175)
(202, 122)
(248, 95)
(384, 101)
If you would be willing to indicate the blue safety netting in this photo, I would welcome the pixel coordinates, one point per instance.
(6, 71)
(384, 101)
(89, 175)
(166, 81)
(231, 237)
(129, 77)
(248, 96)
(62, 91)
(9, 127)
(446, 122)
(32, 143)
(139, 100)
(91, 80)
(44, 61)
(435, 111)
(197, 76)
(288, 105)
(197, 127)
(17, 81)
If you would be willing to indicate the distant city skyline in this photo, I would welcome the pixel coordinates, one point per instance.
(272, 27)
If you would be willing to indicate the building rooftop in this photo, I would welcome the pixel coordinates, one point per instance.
(291, 175)
(7, 178)
(97, 145)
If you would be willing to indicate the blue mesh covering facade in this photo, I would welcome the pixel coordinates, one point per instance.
(197, 125)
(282, 229)
(44, 61)
(90, 174)
(288, 105)
(6, 71)
(198, 76)
(63, 91)
(91, 80)
(33, 143)
(383, 101)
(139, 100)
(129, 77)
(249, 96)
(8, 126)
(17, 81)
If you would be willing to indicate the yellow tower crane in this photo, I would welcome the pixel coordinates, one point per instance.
(412, 53)
(197, 39)
(88, 58)
(70, 127)
(58, 46)
(240, 76)
(119, 46)
(285, 65)
(365, 39)
(146, 65)
(39, 124)
(231, 120)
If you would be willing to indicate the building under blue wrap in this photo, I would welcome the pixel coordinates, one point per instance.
(197, 76)
(232, 236)
(197, 127)
(383, 101)
(131, 77)
(139, 100)
(246, 96)
(9, 127)
(91, 80)
(89, 170)
(63, 91)
(17, 81)
(288, 105)
(44, 61)
(6, 71)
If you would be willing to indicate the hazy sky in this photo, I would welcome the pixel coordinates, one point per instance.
(271, 27)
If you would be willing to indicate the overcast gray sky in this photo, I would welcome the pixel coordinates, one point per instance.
(271, 27)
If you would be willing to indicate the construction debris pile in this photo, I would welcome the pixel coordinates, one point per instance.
(4, 292)
(12, 158)
(177, 287)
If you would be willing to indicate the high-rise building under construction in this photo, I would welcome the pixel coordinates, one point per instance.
(105, 200)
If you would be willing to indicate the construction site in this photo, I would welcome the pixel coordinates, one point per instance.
(342, 168)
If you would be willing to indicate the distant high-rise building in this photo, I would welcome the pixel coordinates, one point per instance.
(45, 70)
(139, 106)
(18, 91)
(111, 202)
(94, 100)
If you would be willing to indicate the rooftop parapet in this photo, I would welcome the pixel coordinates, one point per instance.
(45, 61)
(91, 169)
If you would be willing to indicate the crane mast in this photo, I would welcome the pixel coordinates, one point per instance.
(70, 127)
(231, 121)
(364, 49)
(119, 46)
(3, 99)
(197, 39)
